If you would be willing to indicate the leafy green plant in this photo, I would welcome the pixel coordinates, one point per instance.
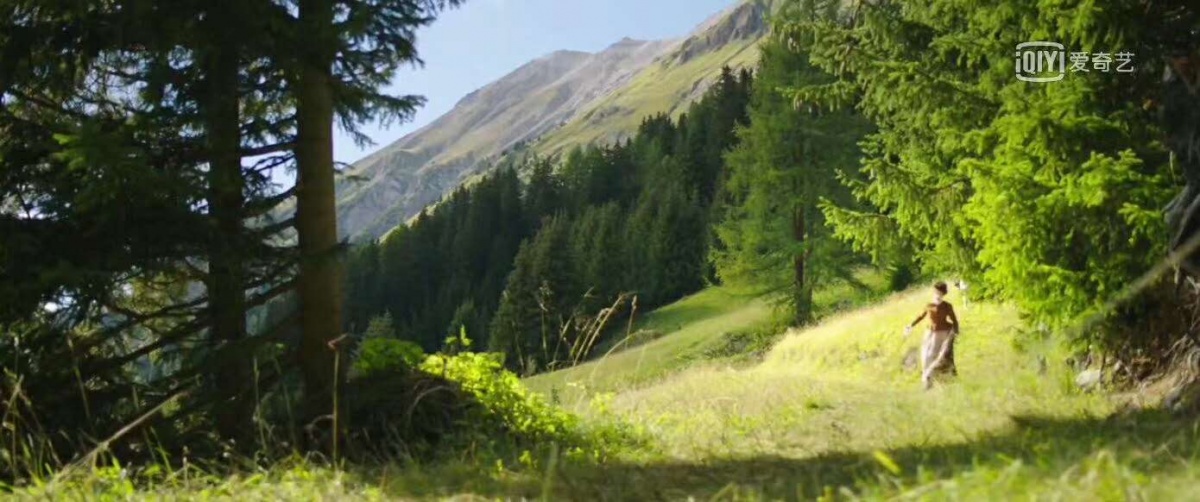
(377, 355)
(504, 415)
(507, 404)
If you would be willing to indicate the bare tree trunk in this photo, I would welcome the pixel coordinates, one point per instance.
(319, 284)
(226, 201)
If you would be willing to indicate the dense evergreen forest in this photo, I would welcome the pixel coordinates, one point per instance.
(526, 258)
(162, 299)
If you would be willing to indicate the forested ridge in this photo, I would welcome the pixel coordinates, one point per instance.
(166, 304)
(533, 266)
(524, 264)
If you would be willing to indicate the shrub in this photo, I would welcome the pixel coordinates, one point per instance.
(377, 355)
(505, 403)
(488, 404)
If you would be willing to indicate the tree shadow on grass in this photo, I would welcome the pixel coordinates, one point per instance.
(1148, 442)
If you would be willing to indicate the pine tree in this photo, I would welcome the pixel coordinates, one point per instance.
(678, 235)
(381, 326)
(1049, 194)
(536, 309)
(368, 40)
(364, 290)
(708, 132)
(545, 194)
(518, 319)
(772, 233)
(598, 249)
(147, 116)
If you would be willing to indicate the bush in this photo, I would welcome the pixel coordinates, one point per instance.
(487, 404)
(401, 413)
(505, 402)
(377, 355)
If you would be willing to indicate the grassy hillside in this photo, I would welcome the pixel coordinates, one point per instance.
(687, 329)
(844, 385)
(833, 412)
(717, 326)
(836, 411)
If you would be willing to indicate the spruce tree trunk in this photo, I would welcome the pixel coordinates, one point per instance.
(801, 292)
(319, 284)
(226, 201)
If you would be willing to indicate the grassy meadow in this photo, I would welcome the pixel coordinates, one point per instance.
(836, 411)
(832, 412)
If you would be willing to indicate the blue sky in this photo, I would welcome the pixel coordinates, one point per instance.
(482, 41)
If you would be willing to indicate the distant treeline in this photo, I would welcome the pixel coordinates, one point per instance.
(513, 261)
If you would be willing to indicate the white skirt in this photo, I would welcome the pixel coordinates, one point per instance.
(934, 351)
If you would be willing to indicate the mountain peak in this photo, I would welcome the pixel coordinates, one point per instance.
(628, 45)
(626, 42)
(745, 21)
(542, 102)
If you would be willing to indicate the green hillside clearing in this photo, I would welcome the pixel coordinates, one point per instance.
(712, 327)
(831, 412)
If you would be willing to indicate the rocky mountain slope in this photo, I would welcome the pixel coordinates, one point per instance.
(679, 77)
(560, 100)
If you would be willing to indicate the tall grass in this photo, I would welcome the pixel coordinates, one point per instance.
(832, 412)
(835, 412)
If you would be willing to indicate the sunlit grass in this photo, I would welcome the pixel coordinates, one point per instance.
(843, 386)
(834, 411)
(830, 412)
(686, 328)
